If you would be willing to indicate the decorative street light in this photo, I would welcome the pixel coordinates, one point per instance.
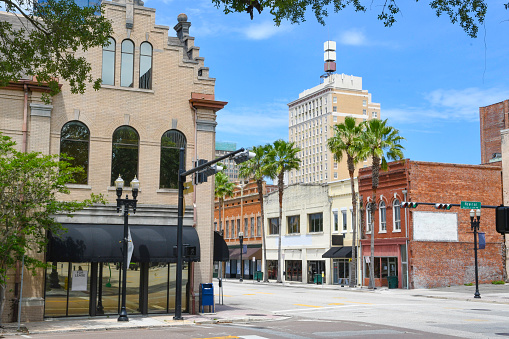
(475, 217)
(126, 203)
(241, 239)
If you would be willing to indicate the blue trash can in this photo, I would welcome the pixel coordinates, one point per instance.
(206, 296)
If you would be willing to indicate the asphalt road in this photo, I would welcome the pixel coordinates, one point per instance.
(335, 313)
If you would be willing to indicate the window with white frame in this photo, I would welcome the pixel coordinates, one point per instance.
(396, 206)
(343, 214)
(336, 221)
(374, 115)
(334, 100)
(382, 212)
(368, 218)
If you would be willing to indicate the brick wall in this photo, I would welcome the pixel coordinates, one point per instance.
(441, 263)
(493, 119)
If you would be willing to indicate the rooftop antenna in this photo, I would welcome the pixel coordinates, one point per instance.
(329, 58)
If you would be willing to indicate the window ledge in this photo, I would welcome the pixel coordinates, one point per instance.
(167, 190)
(396, 231)
(316, 233)
(125, 189)
(379, 232)
(292, 234)
(129, 89)
(78, 186)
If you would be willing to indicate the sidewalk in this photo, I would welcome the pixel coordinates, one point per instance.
(228, 314)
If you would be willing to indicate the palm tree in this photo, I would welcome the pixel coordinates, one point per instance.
(257, 169)
(282, 158)
(346, 140)
(223, 188)
(380, 142)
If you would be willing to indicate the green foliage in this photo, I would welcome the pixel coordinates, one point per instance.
(468, 284)
(469, 13)
(223, 188)
(257, 167)
(281, 158)
(45, 42)
(31, 187)
(498, 282)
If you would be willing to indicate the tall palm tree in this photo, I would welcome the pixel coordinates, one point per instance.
(346, 140)
(380, 142)
(282, 158)
(223, 188)
(257, 169)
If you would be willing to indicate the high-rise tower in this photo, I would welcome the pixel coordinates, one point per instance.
(313, 114)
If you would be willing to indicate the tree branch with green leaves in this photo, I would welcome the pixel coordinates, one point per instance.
(469, 14)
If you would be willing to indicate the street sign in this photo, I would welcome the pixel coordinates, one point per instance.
(471, 205)
(188, 187)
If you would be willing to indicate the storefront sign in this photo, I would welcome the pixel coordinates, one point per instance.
(79, 280)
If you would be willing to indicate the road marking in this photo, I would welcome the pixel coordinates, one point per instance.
(336, 304)
(355, 302)
(226, 337)
(317, 308)
(25, 336)
(252, 337)
(224, 295)
(308, 305)
(249, 294)
(264, 293)
(477, 320)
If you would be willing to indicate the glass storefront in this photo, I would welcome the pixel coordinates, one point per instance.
(293, 270)
(272, 269)
(316, 267)
(150, 288)
(341, 271)
(383, 268)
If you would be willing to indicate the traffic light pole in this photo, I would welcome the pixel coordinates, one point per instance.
(180, 220)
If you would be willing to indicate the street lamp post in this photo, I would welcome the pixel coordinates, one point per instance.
(475, 217)
(239, 155)
(126, 203)
(241, 239)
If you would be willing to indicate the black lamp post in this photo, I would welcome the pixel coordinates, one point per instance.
(241, 239)
(475, 217)
(126, 203)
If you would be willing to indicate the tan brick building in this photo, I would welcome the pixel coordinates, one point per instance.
(311, 118)
(425, 247)
(156, 97)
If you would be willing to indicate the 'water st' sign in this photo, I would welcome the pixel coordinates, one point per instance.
(471, 205)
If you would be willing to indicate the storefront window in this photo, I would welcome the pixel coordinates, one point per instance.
(293, 270)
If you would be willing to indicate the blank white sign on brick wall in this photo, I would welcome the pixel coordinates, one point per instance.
(435, 226)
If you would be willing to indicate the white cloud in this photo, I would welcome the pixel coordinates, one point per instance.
(451, 105)
(263, 30)
(353, 37)
(261, 124)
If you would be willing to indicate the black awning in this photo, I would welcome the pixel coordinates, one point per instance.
(102, 243)
(338, 252)
(221, 252)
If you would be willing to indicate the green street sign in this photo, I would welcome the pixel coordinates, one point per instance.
(471, 205)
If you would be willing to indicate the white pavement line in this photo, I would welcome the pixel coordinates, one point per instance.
(305, 310)
(252, 337)
(25, 336)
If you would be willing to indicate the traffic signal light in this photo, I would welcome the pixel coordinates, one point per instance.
(201, 176)
(409, 204)
(502, 219)
(243, 156)
(443, 206)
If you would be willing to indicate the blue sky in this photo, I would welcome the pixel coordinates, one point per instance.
(428, 75)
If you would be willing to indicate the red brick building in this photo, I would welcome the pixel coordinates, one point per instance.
(437, 243)
(242, 213)
(493, 119)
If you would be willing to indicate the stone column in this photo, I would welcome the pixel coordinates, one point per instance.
(205, 108)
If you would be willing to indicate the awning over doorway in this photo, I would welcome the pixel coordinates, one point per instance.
(250, 253)
(338, 252)
(221, 252)
(102, 243)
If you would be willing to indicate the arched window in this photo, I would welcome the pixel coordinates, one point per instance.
(74, 142)
(124, 155)
(396, 207)
(127, 64)
(382, 217)
(108, 72)
(171, 142)
(146, 65)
